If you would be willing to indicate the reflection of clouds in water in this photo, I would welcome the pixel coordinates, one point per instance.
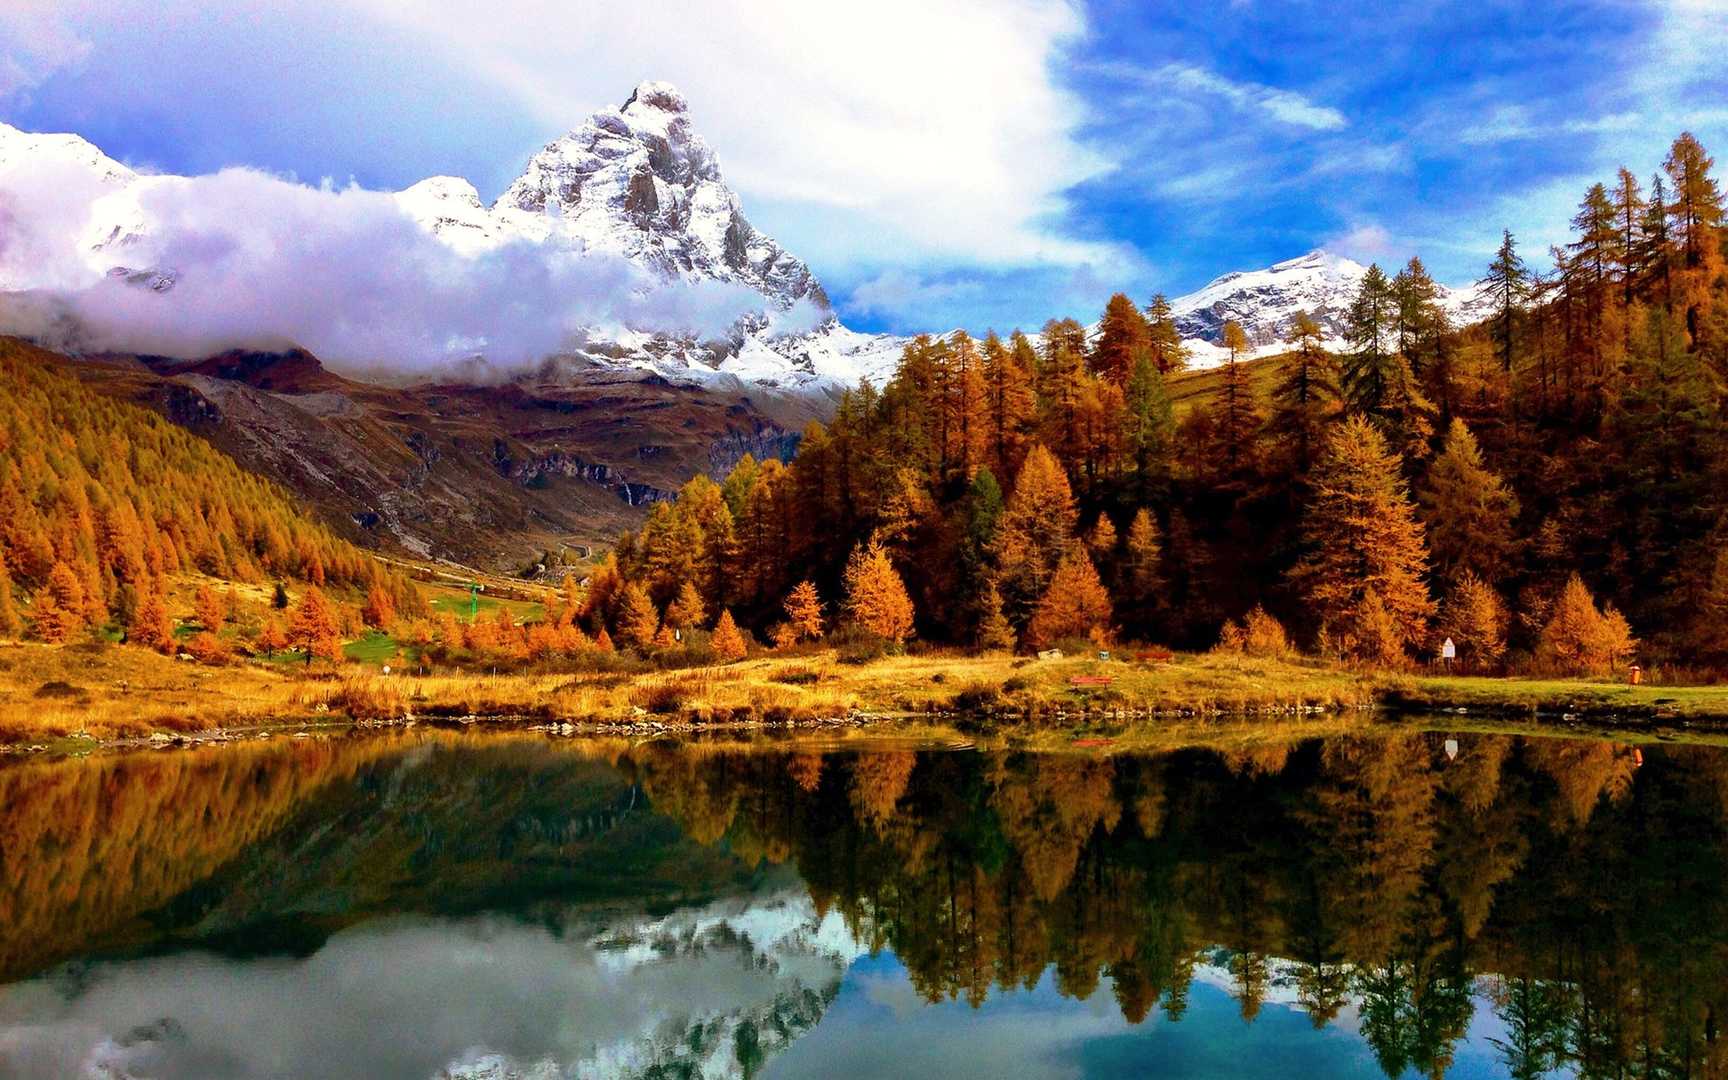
(395, 998)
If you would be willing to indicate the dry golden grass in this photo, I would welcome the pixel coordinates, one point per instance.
(116, 692)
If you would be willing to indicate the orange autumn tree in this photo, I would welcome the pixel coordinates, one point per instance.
(1582, 640)
(57, 615)
(315, 627)
(379, 611)
(876, 598)
(727, 642)
(208, 609)
(10, 623)
(1075, 605)
(638, 619)
(150, 626)
(1034, 530)
(686, 611)
(1363, 575)
(804, 612)
(272, 638)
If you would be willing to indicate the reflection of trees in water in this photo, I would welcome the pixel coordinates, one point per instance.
(1373, 871)
(87, 845)
(1383, 873)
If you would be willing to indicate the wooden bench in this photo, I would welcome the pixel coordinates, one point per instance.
(1091, 680)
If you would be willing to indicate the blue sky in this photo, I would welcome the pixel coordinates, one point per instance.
(939, 162)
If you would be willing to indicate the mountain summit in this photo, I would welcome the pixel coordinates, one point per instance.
(639, 181)
(636, 182)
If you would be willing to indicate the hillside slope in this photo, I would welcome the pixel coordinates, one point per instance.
(483, 475)
(100, 500)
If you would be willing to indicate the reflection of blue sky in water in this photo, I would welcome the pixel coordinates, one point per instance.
(880, 1027)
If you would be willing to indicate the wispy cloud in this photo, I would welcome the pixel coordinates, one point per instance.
(1283, 106)
(1512, 123)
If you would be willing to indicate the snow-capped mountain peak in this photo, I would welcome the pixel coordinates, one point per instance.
(639, 181)
(1265, 303)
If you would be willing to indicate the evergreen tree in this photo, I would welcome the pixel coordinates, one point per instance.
(1307, 397)
(1377, 379)
(1508, 283)
(1418, 320)
(1164, 339)
(1470, 512)
(1151, 425)
(1364, 540)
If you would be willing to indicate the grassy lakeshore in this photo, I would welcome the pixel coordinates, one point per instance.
(113, 692)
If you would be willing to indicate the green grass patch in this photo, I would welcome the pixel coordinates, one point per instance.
(1559, 695)
(444, 599)
(376, 647)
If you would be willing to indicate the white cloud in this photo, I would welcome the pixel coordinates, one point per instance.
(264, 263)
(1365, 242)
(936, 125)
(1283, 106)
(1512, 123)
(896, 290)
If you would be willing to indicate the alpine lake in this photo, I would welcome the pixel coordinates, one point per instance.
(1396, 900)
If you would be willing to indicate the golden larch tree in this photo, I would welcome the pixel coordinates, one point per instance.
(1470, 512)
(727, 641)
(804, 612)
(1075, 605)
(1364, 541)
(876, 598)
(638, 618)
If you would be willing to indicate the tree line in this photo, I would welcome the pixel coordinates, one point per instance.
(1547, 486)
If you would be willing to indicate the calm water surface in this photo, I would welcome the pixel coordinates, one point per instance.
(1394, 903)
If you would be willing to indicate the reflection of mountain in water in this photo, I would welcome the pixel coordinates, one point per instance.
(525, 908)
(712, 991)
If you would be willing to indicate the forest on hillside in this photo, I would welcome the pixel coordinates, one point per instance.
(1548, 487)
(103, 502)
